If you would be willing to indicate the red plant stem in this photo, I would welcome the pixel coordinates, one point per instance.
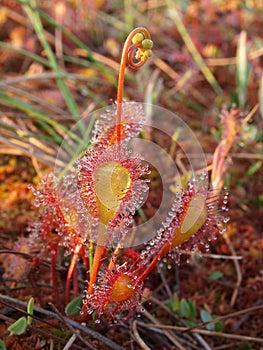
(75, 282)
(98, 257)
(71, 269)
(124, 59)
(54, 253)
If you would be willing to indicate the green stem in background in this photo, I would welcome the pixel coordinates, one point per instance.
(25, 53)
(242, 68)
(260, 96)
(32, 12)
(37, 113)
(80, 149)
(192, 48)
(91, 249)
(79, 44)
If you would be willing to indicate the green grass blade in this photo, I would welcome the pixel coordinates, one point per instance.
(38, 114)
(30, 310)
(33, 14)
(2, 345)
(242, 68)
(192, 48)
(260, 97)
(25, 53)
(108, 72)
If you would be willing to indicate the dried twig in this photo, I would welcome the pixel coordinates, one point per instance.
(215, 256)
(168, 334)
(70, 342)
(138, 337)
(204, 332)
(197, 336)
(245, 317)
(75, 332)
(221, 318)
(238, 271)
(166, 285)
(32, 98)
(250, 114)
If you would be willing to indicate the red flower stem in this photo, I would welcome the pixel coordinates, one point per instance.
(124, 59)
(71, 269)
(54, 278)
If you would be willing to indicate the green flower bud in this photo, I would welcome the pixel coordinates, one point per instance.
(147, 44)
(139, 54)
(148, 53)
(138, 38)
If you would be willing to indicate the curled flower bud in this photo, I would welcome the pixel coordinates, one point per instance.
(147, 44)
(138, 38)
(147, 54)
(142, 55)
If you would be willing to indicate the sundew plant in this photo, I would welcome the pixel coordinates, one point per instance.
(88, 212)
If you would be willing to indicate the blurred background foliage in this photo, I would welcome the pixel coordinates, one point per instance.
(59, 61)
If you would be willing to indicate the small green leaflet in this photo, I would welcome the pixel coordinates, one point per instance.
(216, 275)
(74, 306)
(18, 327)
(2, 345)
(30, 310)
